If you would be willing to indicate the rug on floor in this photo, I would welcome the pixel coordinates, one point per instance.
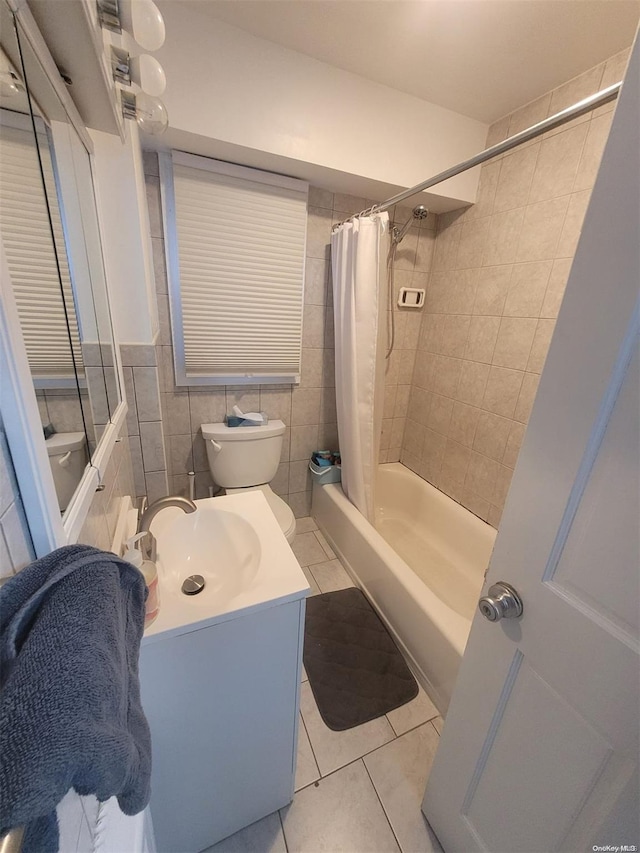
(355, 669)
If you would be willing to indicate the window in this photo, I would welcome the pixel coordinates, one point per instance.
(39, 275)
(235, 242)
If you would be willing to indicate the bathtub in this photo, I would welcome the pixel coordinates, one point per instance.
(422, 567)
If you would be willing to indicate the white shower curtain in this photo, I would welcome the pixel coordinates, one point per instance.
(358, 258)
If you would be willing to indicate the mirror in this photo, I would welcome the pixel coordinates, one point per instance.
(50, 233)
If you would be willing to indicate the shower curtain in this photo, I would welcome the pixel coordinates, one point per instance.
(358, 254)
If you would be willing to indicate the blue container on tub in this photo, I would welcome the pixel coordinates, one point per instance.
(323, 475)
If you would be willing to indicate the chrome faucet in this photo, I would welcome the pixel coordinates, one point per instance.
(148, 513)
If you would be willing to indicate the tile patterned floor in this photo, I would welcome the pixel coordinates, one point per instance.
(357, 791)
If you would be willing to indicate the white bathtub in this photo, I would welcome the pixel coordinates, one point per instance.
(422, 567)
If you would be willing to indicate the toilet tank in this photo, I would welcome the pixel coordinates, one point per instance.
(67, 458)
(243, 456)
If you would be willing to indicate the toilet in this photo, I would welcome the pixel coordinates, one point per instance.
(67, 458)
(245, 459)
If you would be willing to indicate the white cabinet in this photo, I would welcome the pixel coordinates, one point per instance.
(222, 703)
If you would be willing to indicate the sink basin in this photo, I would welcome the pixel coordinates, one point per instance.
(217, 544)
(237, 545)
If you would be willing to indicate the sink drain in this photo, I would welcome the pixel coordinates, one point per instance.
(193, 585)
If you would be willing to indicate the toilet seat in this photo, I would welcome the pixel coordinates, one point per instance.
(282, 511)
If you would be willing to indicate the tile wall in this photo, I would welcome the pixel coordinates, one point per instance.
(61, 407)
(145, 426)
(100, 525)
(497, 281)
(16, 548)
(90, 411)
(413, 259)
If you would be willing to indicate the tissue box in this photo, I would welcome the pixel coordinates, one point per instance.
(235, 421)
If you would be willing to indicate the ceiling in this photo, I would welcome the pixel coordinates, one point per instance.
(481, 58)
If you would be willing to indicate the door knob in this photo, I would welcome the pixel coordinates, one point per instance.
(501, 602)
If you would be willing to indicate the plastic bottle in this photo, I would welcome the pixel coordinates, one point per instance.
(148, 568)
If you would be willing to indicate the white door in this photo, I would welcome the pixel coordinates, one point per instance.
(540, 748)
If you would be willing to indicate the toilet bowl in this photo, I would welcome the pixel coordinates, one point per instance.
(67, 458)
(246, 459)
(279, 508)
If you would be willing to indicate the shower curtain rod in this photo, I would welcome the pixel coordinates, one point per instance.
(578, 109)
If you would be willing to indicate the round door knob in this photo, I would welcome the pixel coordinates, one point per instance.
(501, 602)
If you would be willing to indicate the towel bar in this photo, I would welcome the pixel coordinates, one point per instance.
(12, 841)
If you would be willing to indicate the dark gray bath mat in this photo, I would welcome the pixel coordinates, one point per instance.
(355, 670)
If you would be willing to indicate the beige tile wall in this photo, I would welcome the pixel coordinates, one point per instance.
(413, 260)
(497, 281)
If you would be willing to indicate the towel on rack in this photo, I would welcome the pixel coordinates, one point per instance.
(70, 712)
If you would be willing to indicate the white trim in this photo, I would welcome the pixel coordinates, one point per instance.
(117, 361)
(18, 403)
(182, 378)
(220, 167)
(30, 30)
(123, 526)
(21, 419)
(80, 505)
(22, 121)
(166, 161)
(168, 204)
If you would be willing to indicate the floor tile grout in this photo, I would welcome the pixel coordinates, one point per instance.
(312, 752)
(417, 726)
(284, 834)
(436, 730)
(395, 737)
(337, 770)
(324, 545)
(382, 805)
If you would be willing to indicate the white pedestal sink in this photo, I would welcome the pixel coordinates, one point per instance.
(219, 545)
(236, 544)
(220, 671)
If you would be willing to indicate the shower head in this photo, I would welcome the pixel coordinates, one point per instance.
(419, 212)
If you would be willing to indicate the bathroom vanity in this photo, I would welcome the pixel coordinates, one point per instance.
(220, 671)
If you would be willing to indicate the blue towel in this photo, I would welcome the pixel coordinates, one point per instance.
(70, 712)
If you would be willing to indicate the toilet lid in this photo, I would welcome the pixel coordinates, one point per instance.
(282, 511)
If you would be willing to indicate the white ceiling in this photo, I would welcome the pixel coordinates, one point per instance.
(481, 58)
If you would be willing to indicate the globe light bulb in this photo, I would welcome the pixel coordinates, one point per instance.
(144, 21)
(151, 114)
(147, 73)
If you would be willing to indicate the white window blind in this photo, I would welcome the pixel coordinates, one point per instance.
(236, 246)
(26, 235)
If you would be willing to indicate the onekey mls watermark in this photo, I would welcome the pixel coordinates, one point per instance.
(615, 848)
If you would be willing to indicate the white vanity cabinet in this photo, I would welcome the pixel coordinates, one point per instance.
(222, 703)
(220, 671)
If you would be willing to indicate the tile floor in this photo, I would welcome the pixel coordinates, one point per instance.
(357, 791)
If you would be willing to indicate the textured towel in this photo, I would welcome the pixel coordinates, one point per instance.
(70, 712)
